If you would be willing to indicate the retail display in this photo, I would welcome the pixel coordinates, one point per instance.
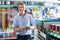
(58, 28)
(54, 28)
(7, 17)
(36, 13)
(39, 12)
(54, 31)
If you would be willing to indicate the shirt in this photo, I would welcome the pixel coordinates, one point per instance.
(19, 21)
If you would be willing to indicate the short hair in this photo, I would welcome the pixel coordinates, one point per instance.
(21, 3)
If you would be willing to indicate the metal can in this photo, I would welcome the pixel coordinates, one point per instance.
(57, 28)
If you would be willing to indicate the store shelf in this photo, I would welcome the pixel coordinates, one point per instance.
(41, 35)
(9, 38)
(15, 5)
(52, 20)
(41, 38)
(54, 34)
(7, 5)
(49, 20)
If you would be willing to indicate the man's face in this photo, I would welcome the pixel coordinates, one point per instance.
(21, 8)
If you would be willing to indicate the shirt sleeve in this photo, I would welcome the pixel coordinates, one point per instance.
(15, 25)
(32, 22)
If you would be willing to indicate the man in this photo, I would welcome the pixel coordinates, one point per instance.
(23, 24)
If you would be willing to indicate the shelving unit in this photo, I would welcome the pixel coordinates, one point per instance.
(7, 5)
(51, 35)
(42, 34)
(45, 34)
(15, 5)
(54, 34)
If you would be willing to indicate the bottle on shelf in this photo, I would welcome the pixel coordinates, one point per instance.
(50, 27)
(8, 2)
(0, 2)
(11, 2)
(58, 29)
(54, 27)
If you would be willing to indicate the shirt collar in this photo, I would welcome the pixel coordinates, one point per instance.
(20, 15)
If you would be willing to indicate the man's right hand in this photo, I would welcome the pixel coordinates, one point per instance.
(22, 28)
(18, 29)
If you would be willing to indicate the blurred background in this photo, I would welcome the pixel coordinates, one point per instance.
(45, 13)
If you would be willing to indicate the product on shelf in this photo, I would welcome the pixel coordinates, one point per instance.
(44, 30)
(53, 28)
(4, 10)
(36, 13)
(8, 2)
(5, 35)
(11, 2)
(50, 27)
(12, 34)
(38, 27)
(9, 26)
(58, 29)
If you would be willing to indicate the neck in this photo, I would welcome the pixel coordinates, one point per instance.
(22, 14)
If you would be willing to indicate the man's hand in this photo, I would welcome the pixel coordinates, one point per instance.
(31, 27)
(22, 28)
(18, 29)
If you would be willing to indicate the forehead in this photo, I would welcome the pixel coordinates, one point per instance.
(21, 5)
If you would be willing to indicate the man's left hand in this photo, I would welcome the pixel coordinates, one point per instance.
(31, 27)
